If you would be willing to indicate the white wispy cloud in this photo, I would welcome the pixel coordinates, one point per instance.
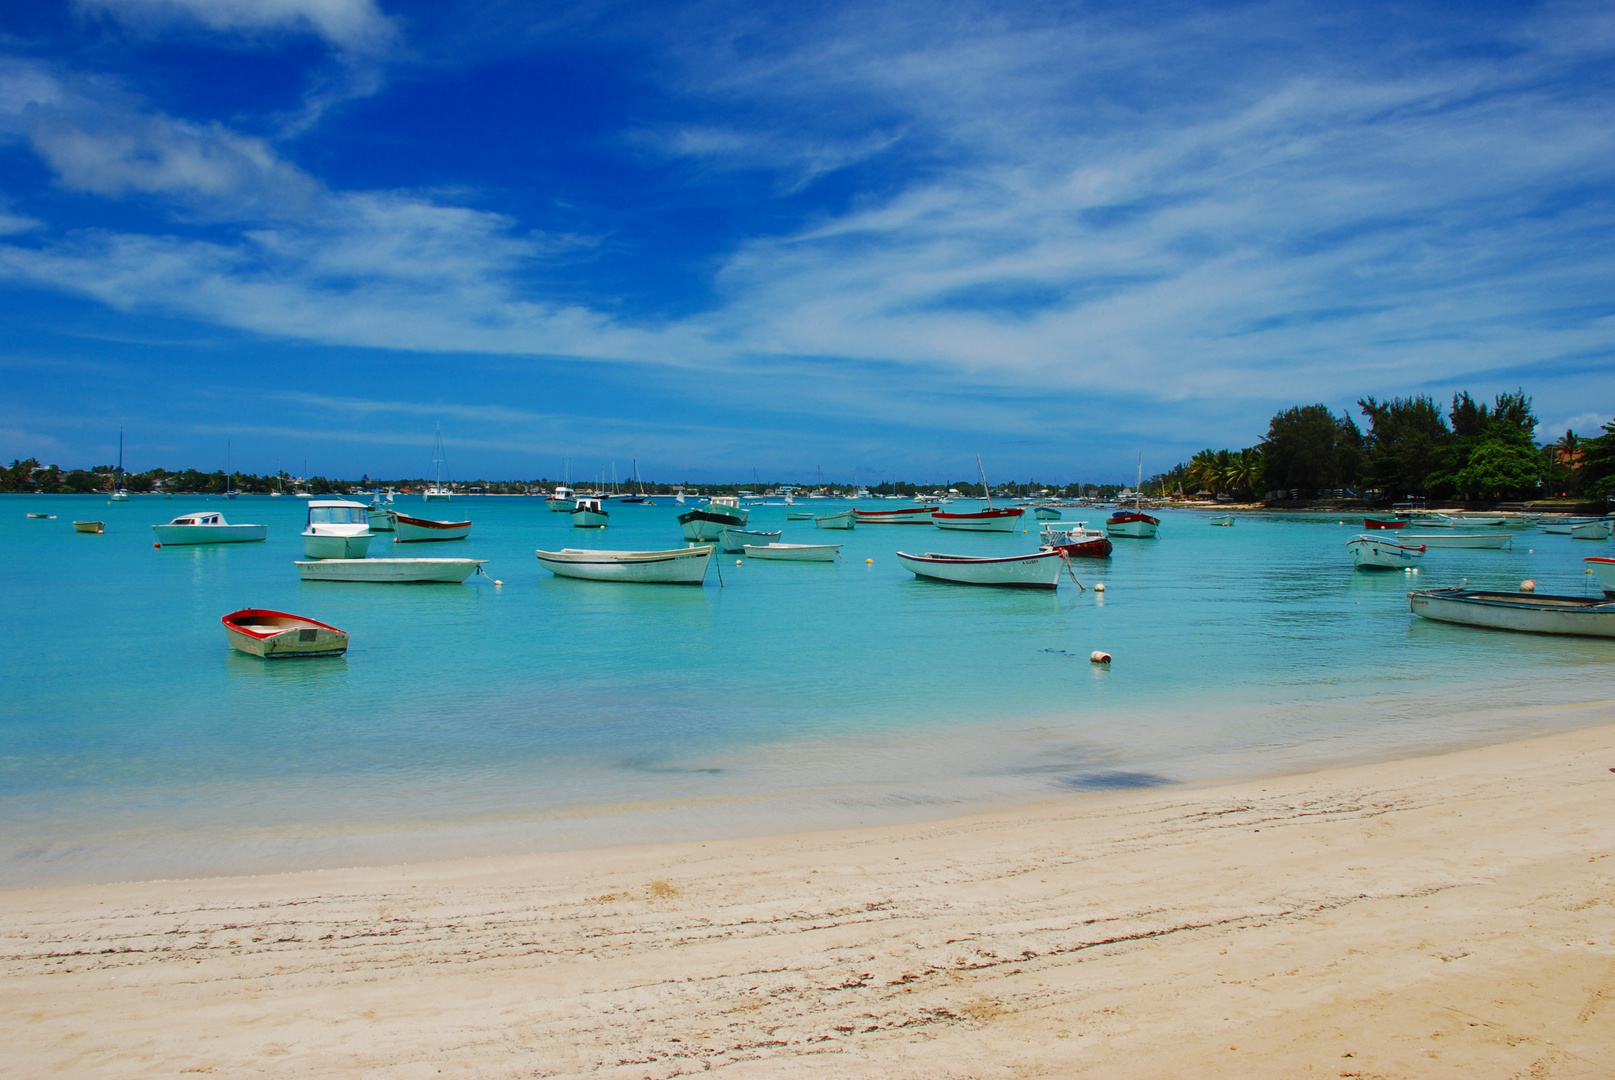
(353, 25)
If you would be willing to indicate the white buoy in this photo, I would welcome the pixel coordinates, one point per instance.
(1097, 657)
(1099, 587)
(737, 562)
(1530, 586)
(497, 583)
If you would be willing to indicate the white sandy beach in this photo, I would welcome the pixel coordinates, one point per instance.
(1445, 916)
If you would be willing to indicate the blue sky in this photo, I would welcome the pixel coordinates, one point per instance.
(716, 237)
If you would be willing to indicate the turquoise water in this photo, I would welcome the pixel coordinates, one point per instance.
(547, 713)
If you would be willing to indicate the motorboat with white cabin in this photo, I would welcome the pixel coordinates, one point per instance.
(1036, 571)
(589, 514)
(337, 529)
(1383, 553)
(1077, 540)
(705, 524)
(678, 566)
(206, 527)
(561, 501)
(793, 552)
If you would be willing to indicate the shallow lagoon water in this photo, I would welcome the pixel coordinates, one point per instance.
(550, 713)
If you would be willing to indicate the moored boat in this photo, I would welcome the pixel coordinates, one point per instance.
(1603, 571)
(678, 566)
(90, 526)
(908, 515)
(1046, 513)
(1564, 526)
(337, 530)
(589, 514)
(1036, 571)
(1383, 553)
(390, 571)
(1494, 541)
(843, 520)
(1222, 519)
(206, 528)
(801, 515)
(706, 523)
(1077, 540)
(1133, 524)
(1590, 530)
(1381, 523)
(735, 540)
(1581, 616)
(41, 517)
(1001, 519)
(382, 519)
(561, 501)
(794, 552)
(277, 635)
(412, 530)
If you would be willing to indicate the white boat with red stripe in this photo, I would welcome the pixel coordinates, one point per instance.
(1036, 571)
(908, 515)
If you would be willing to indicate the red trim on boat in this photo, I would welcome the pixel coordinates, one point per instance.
(427, 523)
(1014, 511)
(247, 613)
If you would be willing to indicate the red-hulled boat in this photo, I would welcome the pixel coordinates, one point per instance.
(988, 520)
(1377, 523)
(1077, 541)
(1133, 524)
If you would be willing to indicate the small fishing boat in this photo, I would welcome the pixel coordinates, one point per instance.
(1381, 553)
(679, 566)
(382, 519)
(908, 515)
(794, 552)
(337, 530)
(1603, 571)
(843, 520)
(735, 540)
(1223, 519)
(1077, 540)
(41, 517)
(804, 515)
(1047, 513)
(1564, 526)
(589, 514)
(206, 528)
(1133, 524)
(1003, 519)
(1590, 530)
(413, 530)
(90, 526)
(1493, 541)
(1433, 520)
(1038, 571)
(706, 524)
(390, 571)
(560, 501)
(276, 635)
(1525, 612)
(1381, 523)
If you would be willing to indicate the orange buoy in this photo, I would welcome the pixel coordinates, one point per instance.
(157, 545)
(1528, 585)
(1097, 657)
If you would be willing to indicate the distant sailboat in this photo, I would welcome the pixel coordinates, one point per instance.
(118, 494)
(228, 494)
(437, 492)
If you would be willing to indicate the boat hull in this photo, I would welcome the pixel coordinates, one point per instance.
(177, 535)
(276, 635)
(390, 571)
(1097, 547)
(1521, 612)
(414, 530)
(1371, 553)
(1133, 526)
(1495, 541)
(1047, 513)
(1039, 571)
(1590, 530)
(1377, 523)
(320, 546)
(559, 506)
(794, 552)
(1603, 571)
(90, 526)
(915, 515)
(381, 520)
(1223, 519)
(798, 515)
(706, 526)
(843, 520)
(679, 566)
(997, 521)
(734, 541)
(590, 519)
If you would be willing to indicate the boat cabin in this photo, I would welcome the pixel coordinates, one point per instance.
(198, 519)
(337, 512)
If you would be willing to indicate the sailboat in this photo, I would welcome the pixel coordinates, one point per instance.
(228, 494)
(988, 520)
(639, 493)
(437, 492)
(118, 494)
(1134, 523)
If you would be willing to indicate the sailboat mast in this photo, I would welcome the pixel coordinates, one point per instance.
(120, 460)
(985, 490)
(1138, 486)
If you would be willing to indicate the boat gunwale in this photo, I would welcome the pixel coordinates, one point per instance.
(264, 634)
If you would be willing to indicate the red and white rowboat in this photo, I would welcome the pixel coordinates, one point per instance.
(911, 515)
(1077, 541)
(1132, 524)
(1039, 571)
(981, 521)
(276, 635)
(413, 529)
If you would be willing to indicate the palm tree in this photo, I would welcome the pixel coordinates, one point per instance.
(1565, 450)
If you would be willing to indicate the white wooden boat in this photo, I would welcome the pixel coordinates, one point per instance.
(206, 528)
(390, 571)
(1565, 525)
(1037, 571)
(706, 523)
(90, 526)
(678, 566)
(276, 635)
(844, 520)
(1433, 520)
(798, 515)
(337, 530)
(735, 540)
(1494, 541)
(414, 530)
(589, 514)
(1383, 553)
(1222, 519)
(988, 520)
(1603, 571)
(1590, 530)
(1132, 524)
(382, 519)
(1526, 612)
(1477, 521)
(794, 552)
(908, 515)
(1047, 513)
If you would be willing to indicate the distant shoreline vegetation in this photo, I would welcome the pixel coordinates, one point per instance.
(1411, 450)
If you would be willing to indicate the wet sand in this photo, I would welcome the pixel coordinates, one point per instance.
(1443, 916)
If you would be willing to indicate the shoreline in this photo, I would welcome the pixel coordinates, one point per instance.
(1422, 916)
